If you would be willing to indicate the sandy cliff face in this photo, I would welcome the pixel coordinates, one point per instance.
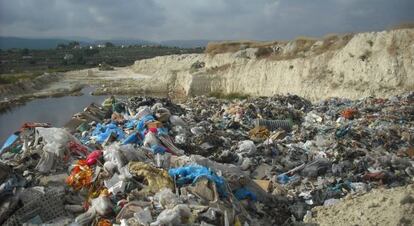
(376, 63)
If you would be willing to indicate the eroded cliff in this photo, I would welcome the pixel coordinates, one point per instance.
(352, 66)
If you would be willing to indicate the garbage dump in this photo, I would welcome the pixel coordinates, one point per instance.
(206, 161)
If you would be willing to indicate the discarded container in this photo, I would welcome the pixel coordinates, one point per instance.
(273, 124)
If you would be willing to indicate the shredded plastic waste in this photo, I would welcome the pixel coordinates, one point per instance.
(205, 161)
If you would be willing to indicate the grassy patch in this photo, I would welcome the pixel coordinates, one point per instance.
(14, 78)
(302, 46)
(214, 48)
(404, 25)
(263, 52)
(229, 96)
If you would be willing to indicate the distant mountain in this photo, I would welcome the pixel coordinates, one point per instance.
(119, 42)
(51, 43)
(185, 43)
(30, 43)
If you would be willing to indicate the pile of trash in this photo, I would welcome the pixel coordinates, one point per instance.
(207, 161)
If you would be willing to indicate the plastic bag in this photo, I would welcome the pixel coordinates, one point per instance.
(166, 198)
(54, 139)
(143, 217)
(87, 217)
(47, 160)
(173, 216)
(190, 174)
(93, 157)
(247, 146)
(81, 175)
(177, 121)
(102, 205)
(151, 140)
(115, 184)
(244, 193)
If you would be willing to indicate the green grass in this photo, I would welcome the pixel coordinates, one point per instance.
(14, 78)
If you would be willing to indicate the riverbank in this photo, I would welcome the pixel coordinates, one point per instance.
(120, 81)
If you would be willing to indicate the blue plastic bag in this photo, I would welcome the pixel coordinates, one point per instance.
(102, 132)
(283, 179)
(132, 139)
(131, 123)
(244, 193)
(143, 121)
(158, 149)
(190, 175)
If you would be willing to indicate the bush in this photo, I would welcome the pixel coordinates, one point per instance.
(365, 56)
(263, 52)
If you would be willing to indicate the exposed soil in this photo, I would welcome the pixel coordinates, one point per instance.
(378, 207)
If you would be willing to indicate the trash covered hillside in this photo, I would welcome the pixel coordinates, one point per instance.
(206, 161)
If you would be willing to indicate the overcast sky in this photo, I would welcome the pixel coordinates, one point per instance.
(198, 19)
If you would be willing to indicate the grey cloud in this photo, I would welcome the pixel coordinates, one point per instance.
(198, 19)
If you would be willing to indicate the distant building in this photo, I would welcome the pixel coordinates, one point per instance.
(26, 57)
(101, 45)
(68, 56)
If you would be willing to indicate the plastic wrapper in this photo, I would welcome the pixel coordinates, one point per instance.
(93, 157)
(151, 140)
(80, 176)
(247, 146)
(144, 216)
(190, 174)
(115, 184)
(177, 121)
(47, 161)
(102, 205)
(166, 198)
(54, 140)
(87, 217)
(173, 216)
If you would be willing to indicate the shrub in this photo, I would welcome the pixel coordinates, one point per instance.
(365, 55)
(263, 52)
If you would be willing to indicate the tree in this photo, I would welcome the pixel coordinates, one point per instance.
(109, 44)
(25, 52)
(61, 46)
(80, 60)
(91, 52)
(72, 44)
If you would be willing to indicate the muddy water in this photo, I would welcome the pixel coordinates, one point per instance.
(54, 110)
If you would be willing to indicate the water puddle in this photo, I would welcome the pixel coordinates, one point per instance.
(54, 110)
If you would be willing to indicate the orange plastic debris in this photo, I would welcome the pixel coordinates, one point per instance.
(349, 113)
(104, 222)
(80, 176)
